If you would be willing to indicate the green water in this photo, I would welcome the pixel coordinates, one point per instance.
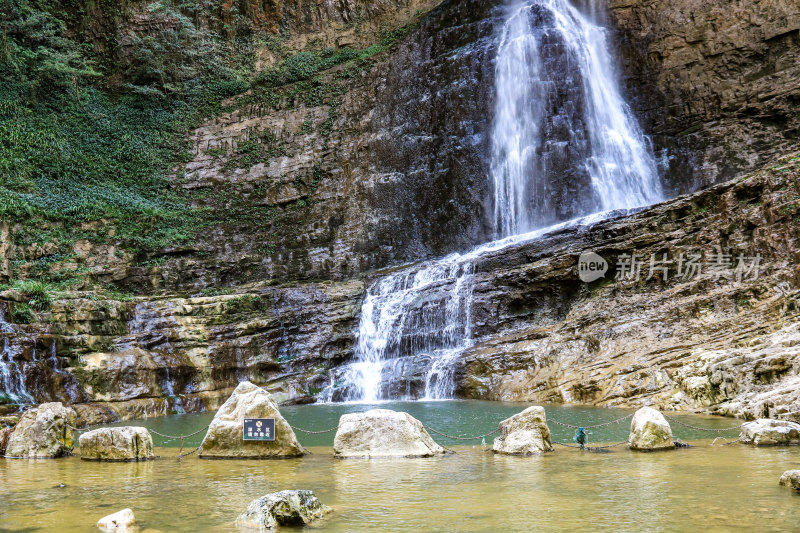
(458, 418)
(709, 488)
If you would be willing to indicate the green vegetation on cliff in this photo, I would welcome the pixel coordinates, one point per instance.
(95, 104)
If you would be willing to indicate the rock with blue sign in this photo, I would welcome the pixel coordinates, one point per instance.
(249, 425)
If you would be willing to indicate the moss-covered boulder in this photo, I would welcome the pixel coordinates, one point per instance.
(44, 432)
(650, 431)
(117, 444)
(224, 439)
(525, 433)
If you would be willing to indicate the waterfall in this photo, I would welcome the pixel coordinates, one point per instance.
(12, 375)
(564, 143)
(565, 149)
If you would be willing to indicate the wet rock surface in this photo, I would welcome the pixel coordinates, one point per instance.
(224, 439)
(117, 444)
(525, 433)
(285, 508)
(382, 433)
(43, 432)
(766, 432)
(650, 431)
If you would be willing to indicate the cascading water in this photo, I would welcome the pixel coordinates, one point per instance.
(12, 377)
(564, 144)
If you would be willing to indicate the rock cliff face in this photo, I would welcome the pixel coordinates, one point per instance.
(384, 161)
(707, 341)
(403, 140)
(713, 81)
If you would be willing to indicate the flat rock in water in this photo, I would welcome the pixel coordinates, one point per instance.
(120, 521)
(769, 432)
(224, 439)
(791, 479)
(650, 431)
(525, 433)
(285, 508)
(383, 433)
(117, 444)
(43, 433)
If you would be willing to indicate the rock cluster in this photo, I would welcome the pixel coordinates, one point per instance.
(650, 431)
(224, 439)
(117, 444)
(525, 433)
(285, 508)
(43, 432)
(768, 432)
(383, 433)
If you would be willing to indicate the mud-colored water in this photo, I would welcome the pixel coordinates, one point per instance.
(713, 488)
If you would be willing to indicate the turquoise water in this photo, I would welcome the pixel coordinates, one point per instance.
(458, 418)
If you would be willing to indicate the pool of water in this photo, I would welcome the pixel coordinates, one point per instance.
(700, 488)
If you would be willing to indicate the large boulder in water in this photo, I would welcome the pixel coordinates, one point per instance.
(650, 431)
(43, 433)
(383, 433)
(224, 439)
(525, 433)
(769, 432)
(285, 508)
(117, 444)
(791, 479)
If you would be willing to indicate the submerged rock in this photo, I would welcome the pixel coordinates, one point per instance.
(525, 433)
(383, 433)
(43, 432)
(224, 439)
(117, 444)
(650, 431)
(285, 508)
(769, 432)
(120, 521)
(791, 479)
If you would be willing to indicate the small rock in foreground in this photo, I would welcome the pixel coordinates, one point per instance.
(285, 508)
(120, 521)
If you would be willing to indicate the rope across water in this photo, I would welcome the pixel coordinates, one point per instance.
(702, 429)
